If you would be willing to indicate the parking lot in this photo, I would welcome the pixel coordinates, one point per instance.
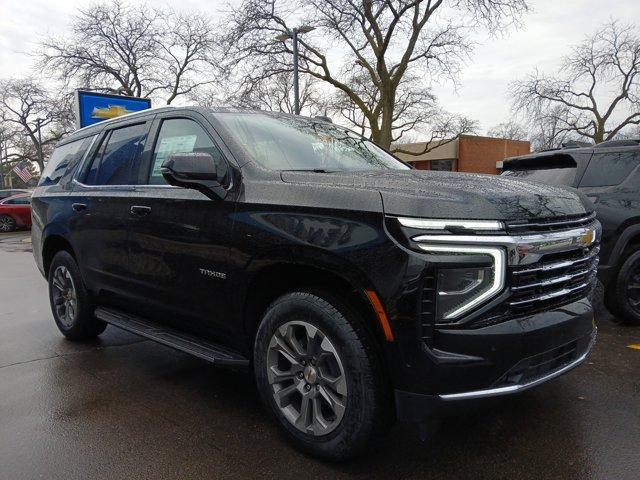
(122, 407)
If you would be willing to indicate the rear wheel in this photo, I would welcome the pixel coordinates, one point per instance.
(70, 303)
(624, 299)
(7, 223)
(318, 371)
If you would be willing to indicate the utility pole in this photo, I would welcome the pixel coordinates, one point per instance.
(296, 86)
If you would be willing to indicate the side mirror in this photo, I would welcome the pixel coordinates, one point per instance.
(195, 170)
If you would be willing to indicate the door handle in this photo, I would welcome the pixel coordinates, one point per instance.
(79, 207)
(140, 210)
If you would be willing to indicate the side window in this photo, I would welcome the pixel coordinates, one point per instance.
(19, 201)
(120, 149)
(607, 169)
(180, 135)
(63, 160)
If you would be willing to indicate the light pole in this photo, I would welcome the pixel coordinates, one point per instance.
(293, 34)
(38, 126)
(1, 164)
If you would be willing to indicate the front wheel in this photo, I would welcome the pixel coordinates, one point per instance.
(70, 302)
(318, 371)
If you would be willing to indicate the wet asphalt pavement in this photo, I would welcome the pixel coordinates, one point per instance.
(121, 407)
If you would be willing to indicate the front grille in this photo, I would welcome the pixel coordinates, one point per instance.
(554, 280)
(549, 225)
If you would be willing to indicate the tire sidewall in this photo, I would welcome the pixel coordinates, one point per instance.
(353, 427)
(622, 305)
(84, 320)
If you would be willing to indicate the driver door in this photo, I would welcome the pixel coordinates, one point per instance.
(179, 238)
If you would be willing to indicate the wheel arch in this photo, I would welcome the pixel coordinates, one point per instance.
(277, 279)
(52, 245)
(629, 236)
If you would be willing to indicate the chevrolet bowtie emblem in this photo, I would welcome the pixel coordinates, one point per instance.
(588, 237)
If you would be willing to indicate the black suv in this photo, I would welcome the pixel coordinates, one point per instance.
(608, 174)
(353, 286)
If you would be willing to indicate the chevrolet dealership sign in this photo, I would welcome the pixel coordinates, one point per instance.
(92, 107)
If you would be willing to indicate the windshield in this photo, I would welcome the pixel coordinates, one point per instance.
(289, 143)
(553, 176)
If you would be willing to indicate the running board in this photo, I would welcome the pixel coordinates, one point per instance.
(208, 351)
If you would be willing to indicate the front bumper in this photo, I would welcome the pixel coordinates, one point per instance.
(518, 355)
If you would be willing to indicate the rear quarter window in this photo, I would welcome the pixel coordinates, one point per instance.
(609, 169)
(63, 160)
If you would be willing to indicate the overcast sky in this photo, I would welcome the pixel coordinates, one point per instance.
(547, 33)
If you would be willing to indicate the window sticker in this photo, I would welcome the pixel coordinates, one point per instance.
(171, 145)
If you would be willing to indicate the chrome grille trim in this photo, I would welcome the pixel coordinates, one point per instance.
(552, 281)
(549, 296)
(522, 249)
(562, 264)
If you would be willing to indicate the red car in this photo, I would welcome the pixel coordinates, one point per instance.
(15, 212)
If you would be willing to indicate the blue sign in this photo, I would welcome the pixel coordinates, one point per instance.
(92, 107)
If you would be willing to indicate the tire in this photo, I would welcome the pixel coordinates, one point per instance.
(624, 297)
(347, 369)
(70, 302)
(7, 223)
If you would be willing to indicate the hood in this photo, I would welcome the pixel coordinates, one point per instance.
(420, 193)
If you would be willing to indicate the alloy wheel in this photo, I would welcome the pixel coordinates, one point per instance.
(65, 299)
(307, 378)
(6, 224)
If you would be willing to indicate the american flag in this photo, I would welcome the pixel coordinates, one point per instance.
(22, 171)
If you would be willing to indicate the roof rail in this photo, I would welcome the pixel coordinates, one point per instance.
(630, 142)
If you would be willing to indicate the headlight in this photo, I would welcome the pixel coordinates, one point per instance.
(462, 288)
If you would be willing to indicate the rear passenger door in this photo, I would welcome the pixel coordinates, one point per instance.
(100, 201)
(180, 241)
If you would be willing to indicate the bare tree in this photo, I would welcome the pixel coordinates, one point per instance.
(629, 134)
(25, 107)
(550, 128)
(416, 111)
(509, 130)
(607, 61)
(138, 51)
(386, 42)
(443, 129)
(276, 94)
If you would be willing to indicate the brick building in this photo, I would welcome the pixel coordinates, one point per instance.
(467, 153)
